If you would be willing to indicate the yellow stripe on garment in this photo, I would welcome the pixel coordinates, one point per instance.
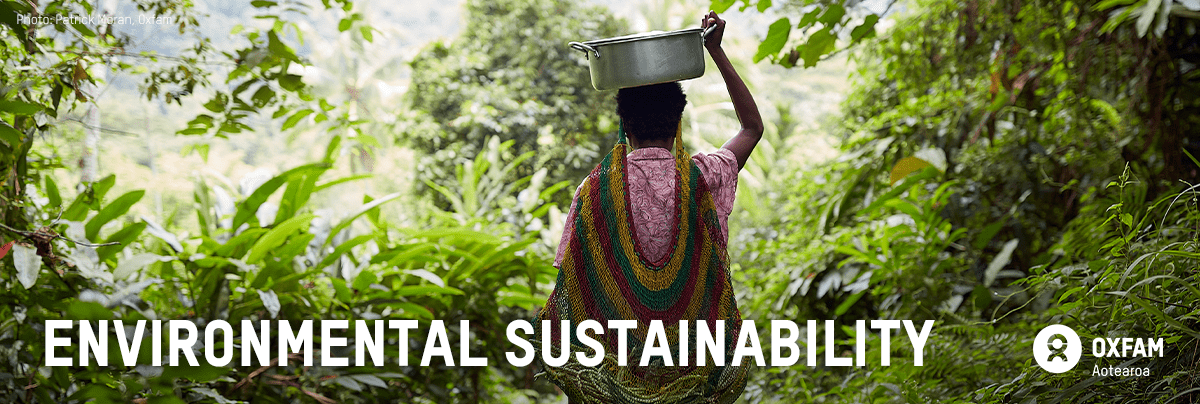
(651, 279)
(597, 253)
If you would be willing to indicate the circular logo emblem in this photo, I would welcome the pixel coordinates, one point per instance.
(1057, 348)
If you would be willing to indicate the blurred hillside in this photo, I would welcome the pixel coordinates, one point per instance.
(139, 143)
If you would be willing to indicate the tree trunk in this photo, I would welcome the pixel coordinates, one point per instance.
(91, 138)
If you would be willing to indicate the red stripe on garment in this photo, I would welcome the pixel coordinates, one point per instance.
(644, 314)
(585, 290)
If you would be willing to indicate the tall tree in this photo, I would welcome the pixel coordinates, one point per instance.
(50, 50)
(510, 74)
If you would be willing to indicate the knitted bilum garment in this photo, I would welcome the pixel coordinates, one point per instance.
(604, 276)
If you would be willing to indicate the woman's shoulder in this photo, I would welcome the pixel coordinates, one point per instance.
(719, 164)
(720, 171)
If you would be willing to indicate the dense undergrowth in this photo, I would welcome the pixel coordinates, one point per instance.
(256, 259)
(1124, 268)
(982, 183)
(1025, 215)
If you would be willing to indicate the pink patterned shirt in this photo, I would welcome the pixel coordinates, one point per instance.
(651, 176)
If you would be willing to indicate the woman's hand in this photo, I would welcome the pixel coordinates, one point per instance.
(713, 40)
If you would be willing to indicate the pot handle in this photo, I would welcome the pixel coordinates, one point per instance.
(708, 30)
(584, 48)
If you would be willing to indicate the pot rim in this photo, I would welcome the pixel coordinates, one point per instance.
(641, 36)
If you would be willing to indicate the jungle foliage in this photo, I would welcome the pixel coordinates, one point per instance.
(1058, 142)
(509, 75)
(1004, 165)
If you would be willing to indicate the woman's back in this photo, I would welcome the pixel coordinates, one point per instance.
(651, 181)
(644, 244)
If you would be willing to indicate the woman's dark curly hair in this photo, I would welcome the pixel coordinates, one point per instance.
(651, 112)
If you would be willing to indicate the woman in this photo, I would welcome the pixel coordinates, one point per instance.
(645, 240)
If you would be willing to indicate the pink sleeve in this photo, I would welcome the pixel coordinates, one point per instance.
(720, 170)
(568, 228)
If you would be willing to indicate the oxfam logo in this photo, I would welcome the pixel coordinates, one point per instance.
(1057, 348)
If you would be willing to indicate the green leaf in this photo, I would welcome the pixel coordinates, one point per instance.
(416, 290)
(279, 49)
(135, 263)
(343, 293)
(291, 82)
(1156, 312)
(371, 380)
(819, 44)
(345, 24)
(81, 310)
(240, 244)
(97, 192)
(1107, 4)
(83, 29)
(263, 96)
(295, 118)
(249, 207)
(906, 184)
(1148, 12)
(398, 257)
(202, 150)
(332, 150)
(96, 393)
(9, 135)
(126, 236)
(845, 305)
(988, 233)
(276, 236)
(833, 15)
(21, 107)
(344, 248)
(166, 399)
(296, 195)
(28, 264)
(866, 29)
(491, 259)
(763, 5)
(348, 383)
(777, 35)
(367, 33)
(217, 103)
(52, 192)
(199, 374)
(361, 211)
(118, 207)
(280, 112)
(192, 131)
(364, 280)
(1000, 100)
(721, 5)
(982, 296)
(906, 166)
(998, 263)
(522, 301)
(342, 180)
(809, 18)
(414, 310)
(373, 214)
(550, 191)
(1190, 287)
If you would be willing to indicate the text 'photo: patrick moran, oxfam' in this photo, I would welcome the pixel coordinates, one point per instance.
(599, 201)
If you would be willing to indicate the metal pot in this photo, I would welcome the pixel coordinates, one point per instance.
(643, 59)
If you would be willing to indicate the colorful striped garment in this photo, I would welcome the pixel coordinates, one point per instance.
(604, 275)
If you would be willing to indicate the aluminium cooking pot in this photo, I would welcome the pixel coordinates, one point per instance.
(644, 59)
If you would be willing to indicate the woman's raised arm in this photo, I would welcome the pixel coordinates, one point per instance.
(743, 103)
